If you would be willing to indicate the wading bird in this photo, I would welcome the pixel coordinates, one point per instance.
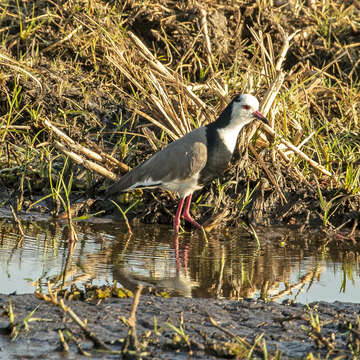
(188, 163)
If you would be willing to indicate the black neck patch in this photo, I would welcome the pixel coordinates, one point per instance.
(225, 117)
(218, 155)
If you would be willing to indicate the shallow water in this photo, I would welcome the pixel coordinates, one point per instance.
(287, 265)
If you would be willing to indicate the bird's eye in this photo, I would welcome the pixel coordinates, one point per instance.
(246, 107)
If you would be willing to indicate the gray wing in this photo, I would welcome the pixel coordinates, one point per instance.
(179, 160)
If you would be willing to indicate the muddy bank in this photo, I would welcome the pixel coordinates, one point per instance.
(127, 79)
(295, 330)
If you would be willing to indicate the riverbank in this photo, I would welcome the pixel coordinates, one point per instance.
(178, 327)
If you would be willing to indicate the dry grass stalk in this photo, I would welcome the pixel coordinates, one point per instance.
(53, 298)
(89, 334)
(64, 344)
(161, 105)
(77, 148)
(102, 157)
(150, 137)
(86, 163)
(66, 38)
(157, 65)
(15, 127)
(165, 107)
(156, 123)
(131, 342)
(204, 27)
(240, 340)
(5, 60)
(268, 173)
(298, 152)
(160, 79)
(274, 88)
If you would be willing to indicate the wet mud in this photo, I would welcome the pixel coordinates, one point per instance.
(213, 328)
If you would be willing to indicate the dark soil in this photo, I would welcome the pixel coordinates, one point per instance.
(286, 328)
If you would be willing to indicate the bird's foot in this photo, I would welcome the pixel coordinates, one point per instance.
(189, 218)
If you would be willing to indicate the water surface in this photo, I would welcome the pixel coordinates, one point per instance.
(230, 264)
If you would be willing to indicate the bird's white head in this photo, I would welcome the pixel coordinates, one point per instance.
(245, 108)
(240, 112)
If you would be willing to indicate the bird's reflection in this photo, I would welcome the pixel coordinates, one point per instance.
(170, 277)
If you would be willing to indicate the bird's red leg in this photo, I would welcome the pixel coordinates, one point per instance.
(187, 215)
(177, 216)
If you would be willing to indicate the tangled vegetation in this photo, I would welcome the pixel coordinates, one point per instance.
(108, 83)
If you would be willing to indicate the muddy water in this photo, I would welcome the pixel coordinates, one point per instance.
(287, 265)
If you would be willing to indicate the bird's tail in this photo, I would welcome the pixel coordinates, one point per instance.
(123, 184)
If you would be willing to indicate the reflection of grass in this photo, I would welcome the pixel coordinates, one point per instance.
(348, 275)
(239, 269)
(229, 266)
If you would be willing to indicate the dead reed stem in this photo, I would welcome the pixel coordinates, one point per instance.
(60, 303)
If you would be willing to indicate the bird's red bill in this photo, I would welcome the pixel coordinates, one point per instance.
(260, 117)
